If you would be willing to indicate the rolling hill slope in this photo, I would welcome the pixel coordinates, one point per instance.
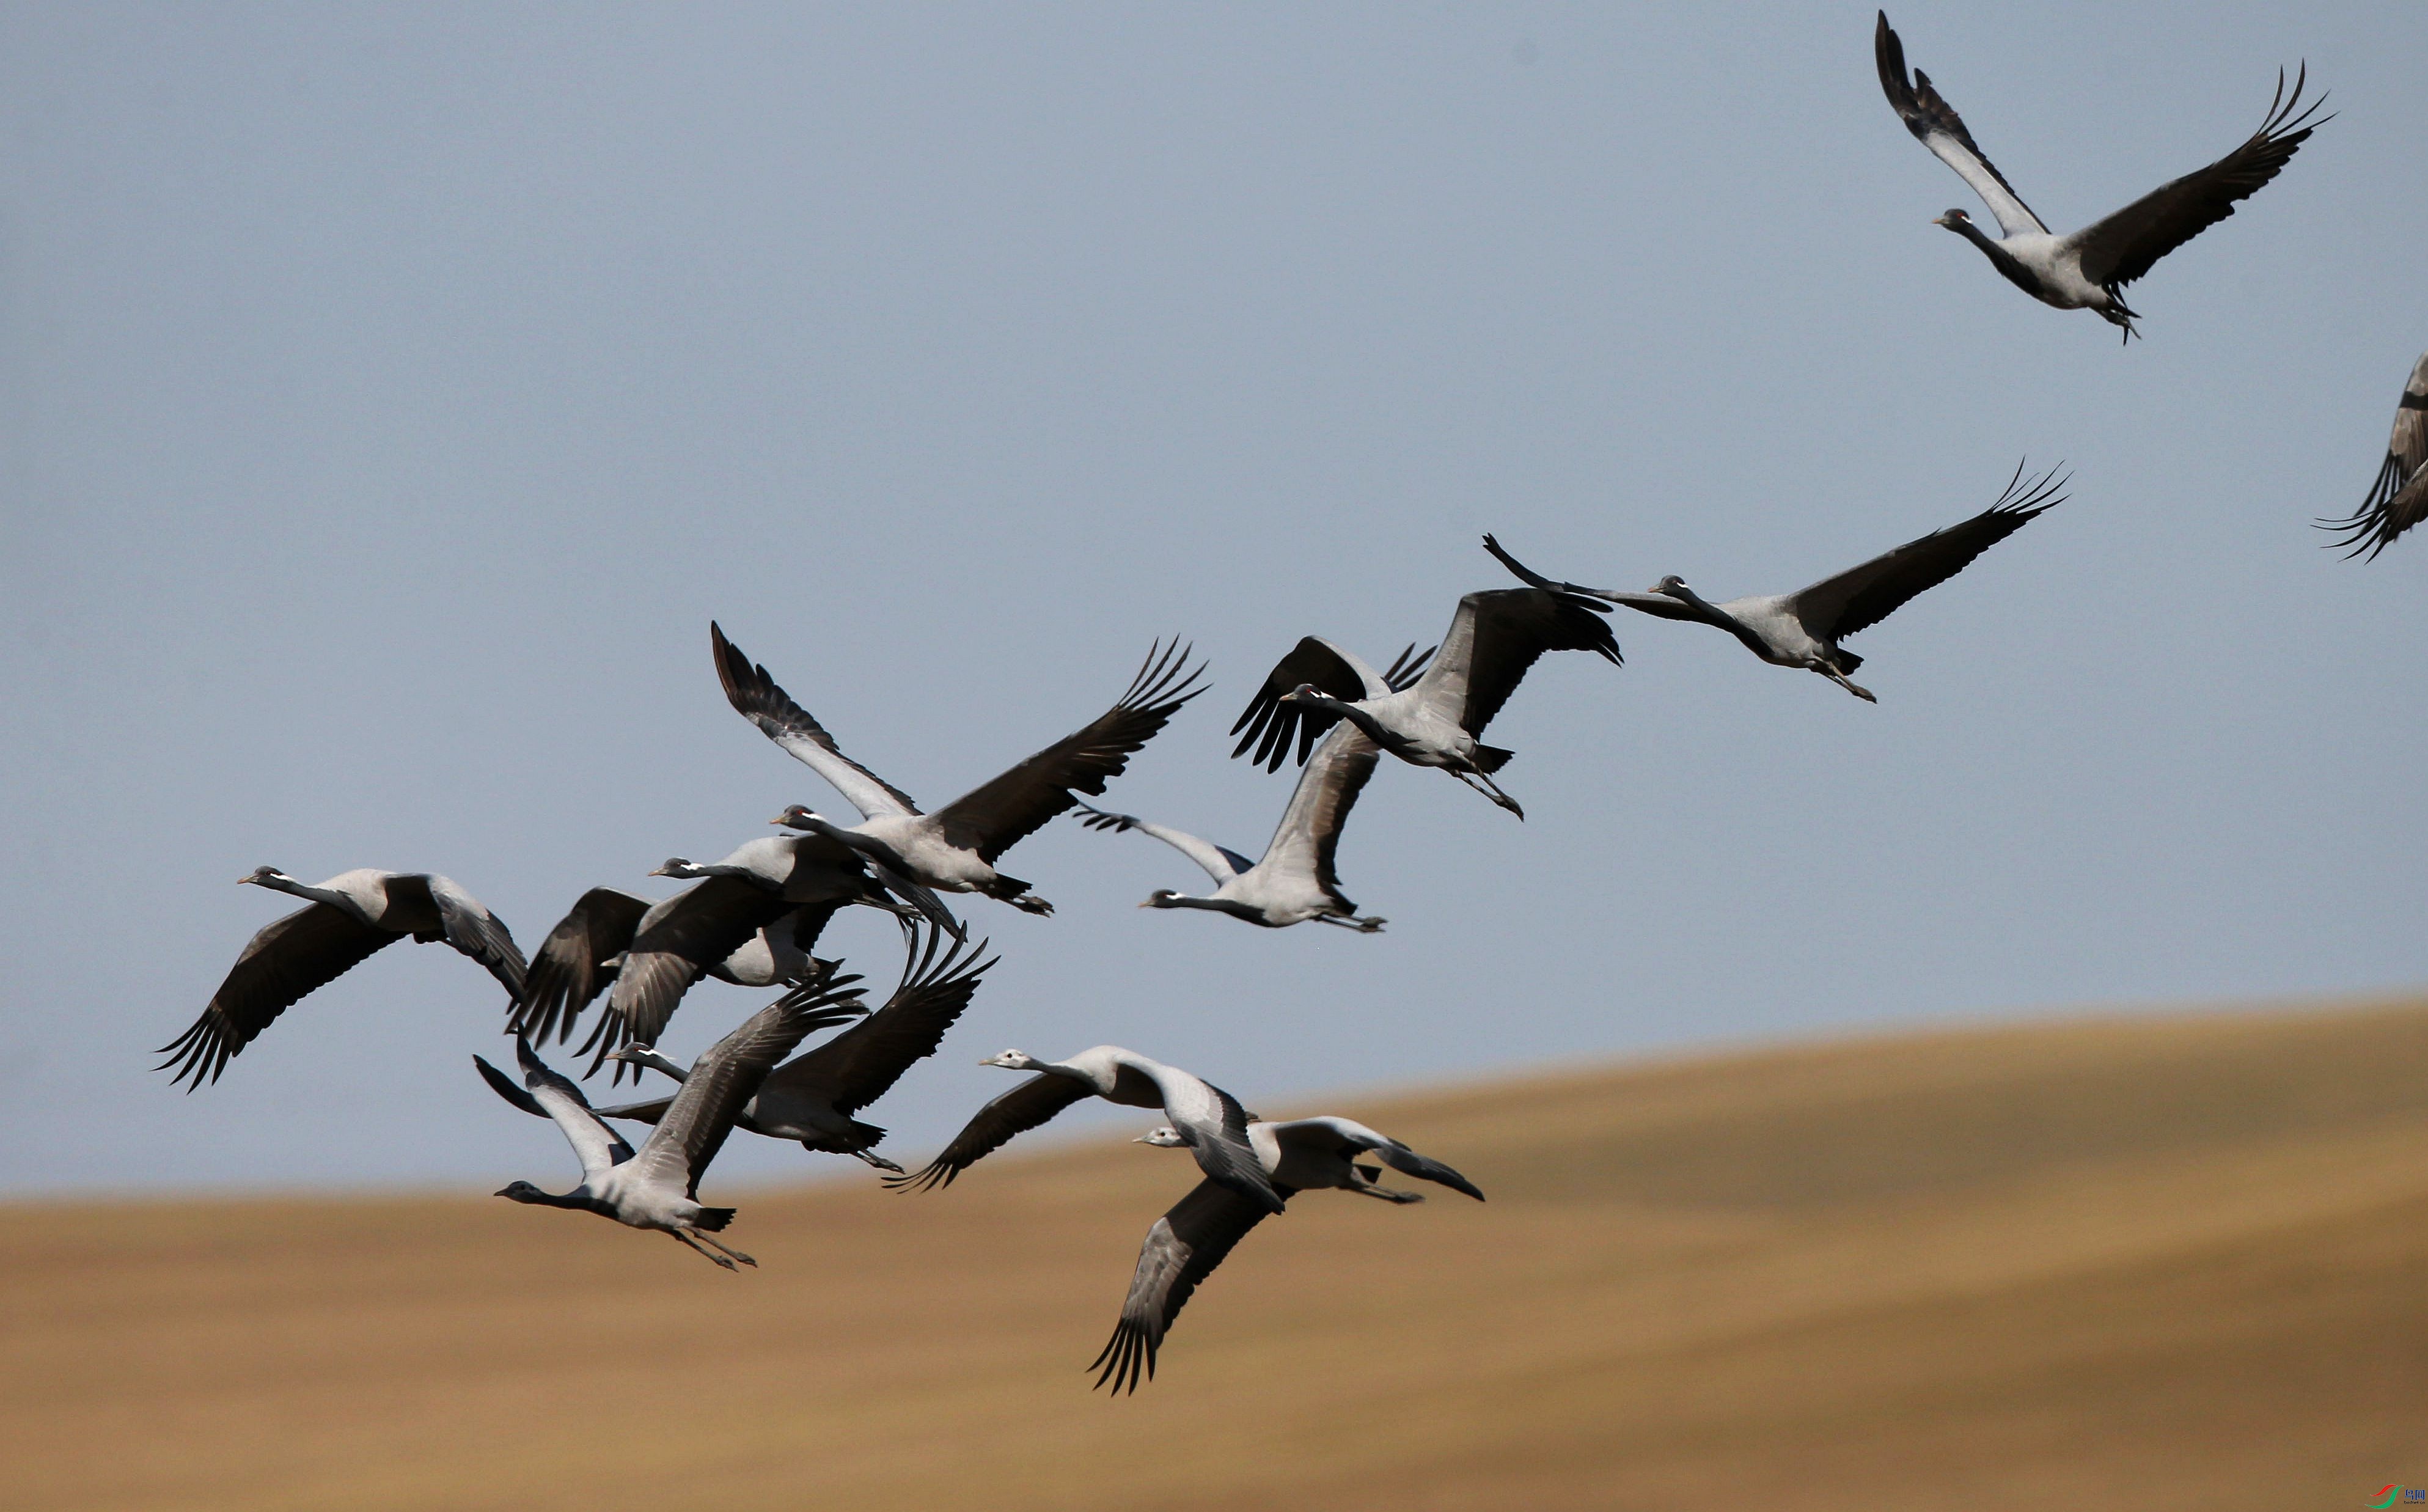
(2149, 1263)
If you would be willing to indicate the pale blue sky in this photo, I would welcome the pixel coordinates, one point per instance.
(389, 397)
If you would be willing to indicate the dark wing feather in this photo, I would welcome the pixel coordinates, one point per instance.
(1181, 1250)
(1232, 1158)
(1405, 669)
(2399, 498)
(466, 923)
(858, 1066)
(1271, 724)
(1408, 1162)
(756, 696)
(1031, 1104)
(723, 1081)
(697, 929)
(1863, 596)
(998, 815)
(511, 1089)
(2122, 247)
(569, 970)
(291, 957)
(1511, 629)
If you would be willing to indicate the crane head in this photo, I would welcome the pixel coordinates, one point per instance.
(1954, 221)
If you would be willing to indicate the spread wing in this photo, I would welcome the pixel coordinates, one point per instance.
(2399, 498)
(1308, 837)
(1863, 596)
(1220, 863)
(1181, 1250)
(2120, 248)
(1935, 122)
(858, 1066)
(723, 1081)
(599, 1148)
(571, 969)
(472, 929)
(291, 957)
(1030, 1105)
(1271, 725)
(755, 696)
(1495, 638)
(994, 818)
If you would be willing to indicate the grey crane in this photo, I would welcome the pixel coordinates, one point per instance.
(955, 849)
(2399, 498)
(658, 1186)
(2089, 269)
(1295, 880)
(1209, 1119)
(1437, 719)
(352, 916)
(1803, 628)
(814, 1096)
(1188, 1242)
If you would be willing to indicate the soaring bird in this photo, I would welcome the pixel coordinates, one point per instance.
(812, 1097)
(1294, 881)
(658, 1186)
(2089, 270)
(955, 849)
(1803, 628)
(1439, 719)
(1188, 1242)
(352, 916)
(1210, 1120)
(2399, 496)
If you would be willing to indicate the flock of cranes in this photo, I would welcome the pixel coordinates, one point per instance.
(754, 917)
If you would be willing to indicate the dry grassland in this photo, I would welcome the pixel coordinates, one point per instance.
(2155, 1263)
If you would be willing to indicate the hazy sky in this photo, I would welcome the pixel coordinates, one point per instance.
(393, 395)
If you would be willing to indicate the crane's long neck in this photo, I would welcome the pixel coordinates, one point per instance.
(531, 1196)
(281, 882)
(1710, 613)
(657, 1062)
(1355, 713)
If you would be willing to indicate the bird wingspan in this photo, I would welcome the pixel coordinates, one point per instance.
(694, 930)
(599, 1148)
(1308, 837)
(2120, 248)
(1181, 1250)
(1862, 597)
(1932, 119)
(569, 971)
(2399, 498)
(1032, 1103)
(1220, 863)
(756, 696)
(478, 933)
(1498, 635)
(723, 1081)
(861, 1064)
(1270, 725)
(288, 959)
(998, 815)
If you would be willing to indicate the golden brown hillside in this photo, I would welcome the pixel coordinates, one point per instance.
(2155, 1263)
